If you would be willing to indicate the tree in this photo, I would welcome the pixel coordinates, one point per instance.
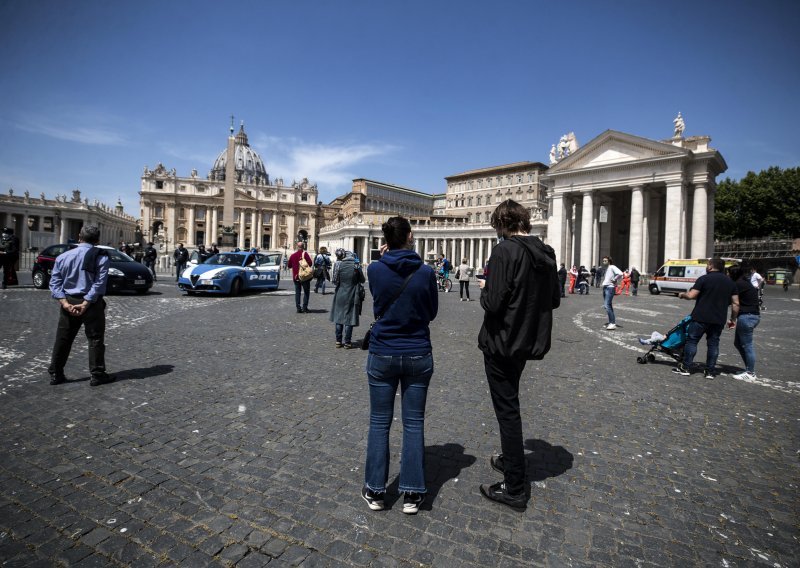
(766, 204)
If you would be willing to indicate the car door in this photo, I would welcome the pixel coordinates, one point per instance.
(269, 266)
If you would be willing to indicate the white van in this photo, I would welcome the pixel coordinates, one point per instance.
(679, 275)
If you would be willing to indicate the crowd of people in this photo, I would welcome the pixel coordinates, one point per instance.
(519, 290)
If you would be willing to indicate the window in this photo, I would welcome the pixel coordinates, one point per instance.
(284, 197)
(676, 271)
(469, 202)
(304, 197)
(478, 201)
(248, 218)
(283, 219)
(480, 184)
(201, 214)
(159, 184)
(158, 211)
(519, 178)
(182, 213)
(201, 189)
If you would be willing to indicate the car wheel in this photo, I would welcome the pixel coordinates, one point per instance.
(236, 287)
(39, 280)
(654, 290)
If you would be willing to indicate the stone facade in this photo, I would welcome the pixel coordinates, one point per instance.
(637, 200)
(267, 214)
(40, 222)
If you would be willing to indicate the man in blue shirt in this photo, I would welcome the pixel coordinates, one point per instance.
(78, 283)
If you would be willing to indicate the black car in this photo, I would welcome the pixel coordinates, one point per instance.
(124, 273)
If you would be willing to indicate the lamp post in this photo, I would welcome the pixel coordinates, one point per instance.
(31, 221)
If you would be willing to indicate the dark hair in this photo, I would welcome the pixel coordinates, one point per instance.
(717, 264)
(396, 231)
(610, 260)
(510, 217)
(735, 272)
(90, 234)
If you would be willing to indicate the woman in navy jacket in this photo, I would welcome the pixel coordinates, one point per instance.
(399, 354)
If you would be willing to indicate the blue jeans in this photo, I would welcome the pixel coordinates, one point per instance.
(348, 332)
(695, 331)
(306, 287)
(745, 325)
(413, 374)
(608, 297)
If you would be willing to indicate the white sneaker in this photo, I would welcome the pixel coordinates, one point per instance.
(611, 326)
(745, 376)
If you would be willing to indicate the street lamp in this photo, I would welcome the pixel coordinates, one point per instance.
(31, 221)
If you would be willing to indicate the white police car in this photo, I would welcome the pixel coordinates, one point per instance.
(232, 272)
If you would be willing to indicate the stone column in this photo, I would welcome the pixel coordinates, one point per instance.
(190, 229)
(673, 228)
(242, 229)
(555, 228)
(214, 222)
(276, 231)
(472, 253)
(481, 261)
(62, 233)
(699, 222)
(637, 217)
(586, 230)
(645, 234)
(711, 191)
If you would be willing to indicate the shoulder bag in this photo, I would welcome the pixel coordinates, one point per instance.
(368, 335)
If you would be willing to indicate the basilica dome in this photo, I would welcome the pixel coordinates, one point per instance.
(249, 165)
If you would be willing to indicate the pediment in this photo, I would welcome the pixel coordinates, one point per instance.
(240, 194)
(612, 148)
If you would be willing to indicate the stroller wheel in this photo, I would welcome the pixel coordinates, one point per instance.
(651, 357)
(641, 360)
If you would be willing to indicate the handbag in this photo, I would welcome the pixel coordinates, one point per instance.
(368, 335)
(304, 272)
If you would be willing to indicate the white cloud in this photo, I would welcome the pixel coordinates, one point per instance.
(73, 127)
(327, 165)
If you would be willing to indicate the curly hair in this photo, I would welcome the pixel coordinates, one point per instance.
(510, 217)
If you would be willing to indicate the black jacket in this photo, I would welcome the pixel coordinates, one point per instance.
(521, 292)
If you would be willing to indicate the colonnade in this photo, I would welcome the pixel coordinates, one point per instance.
(261, 222)
(639, 225)
(476, 250)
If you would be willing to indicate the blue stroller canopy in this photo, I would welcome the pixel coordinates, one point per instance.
(677, 335)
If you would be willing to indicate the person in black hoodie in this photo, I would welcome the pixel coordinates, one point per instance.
(518, 299)
(405, 301)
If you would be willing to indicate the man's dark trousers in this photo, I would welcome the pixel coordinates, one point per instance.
(503, 375)
(179, 268)
(94, 322)
(306, 288)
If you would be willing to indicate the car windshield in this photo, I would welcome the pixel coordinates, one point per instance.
(226, 259)
(117, 256)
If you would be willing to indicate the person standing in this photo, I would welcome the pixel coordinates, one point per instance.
(300, 285)
(635, 276)
(202, 254)
(346, 307)
(78, 282)
(562, 279)
(714, 292)
(150, 256)
(9, 255)
(181, 257)
(322, 266)
(611, 276)
(518, 299)
(573, 278)
(405, 301)
(748, 319)
(462, 275)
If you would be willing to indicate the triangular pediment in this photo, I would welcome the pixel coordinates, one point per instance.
(612, 147)
(241, 194)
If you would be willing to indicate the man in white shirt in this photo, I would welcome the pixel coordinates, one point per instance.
(612, 276)
(756, 279)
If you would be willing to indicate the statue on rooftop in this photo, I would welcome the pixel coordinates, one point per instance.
(680, 125)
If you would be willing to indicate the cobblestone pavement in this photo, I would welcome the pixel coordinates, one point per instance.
(235, 434)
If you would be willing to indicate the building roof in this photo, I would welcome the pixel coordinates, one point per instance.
(396, 187)
(512, 166)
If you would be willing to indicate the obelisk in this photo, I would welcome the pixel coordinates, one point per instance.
(229, 198)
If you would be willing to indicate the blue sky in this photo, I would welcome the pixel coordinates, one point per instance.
(403, 92)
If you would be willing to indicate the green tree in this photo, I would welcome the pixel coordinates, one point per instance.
(766, 204)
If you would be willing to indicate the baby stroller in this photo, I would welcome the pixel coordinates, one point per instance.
(670, 344)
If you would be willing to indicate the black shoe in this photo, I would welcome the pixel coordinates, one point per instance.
(299, 310)
(57, 379)
(411, 502)
(374, 500)
(497, 463)
(498, 494)
(681, 370)
(102, 380)
(708, 374)
(348, 345)
(305, 310)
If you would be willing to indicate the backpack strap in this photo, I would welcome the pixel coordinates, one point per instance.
(397, 294)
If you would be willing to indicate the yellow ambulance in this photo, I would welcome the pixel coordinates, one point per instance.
(679, 275)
